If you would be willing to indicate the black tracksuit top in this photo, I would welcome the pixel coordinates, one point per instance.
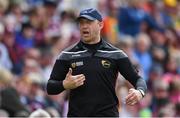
(100, 63)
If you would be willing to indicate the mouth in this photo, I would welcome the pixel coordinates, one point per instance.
(85, 33)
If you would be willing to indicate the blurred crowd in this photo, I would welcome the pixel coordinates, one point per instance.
(34, 32)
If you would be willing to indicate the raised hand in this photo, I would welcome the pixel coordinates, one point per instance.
(73, 81)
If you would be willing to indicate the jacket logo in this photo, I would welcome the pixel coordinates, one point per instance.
(106, 63)
(76, 64)
(77, 55)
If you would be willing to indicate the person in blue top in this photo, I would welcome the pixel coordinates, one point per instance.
(25, 38)
(132, 16)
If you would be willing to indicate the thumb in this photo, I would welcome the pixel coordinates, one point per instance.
(69, 72)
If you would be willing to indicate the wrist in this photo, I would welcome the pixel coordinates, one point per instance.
(141, 92)
(64, 84)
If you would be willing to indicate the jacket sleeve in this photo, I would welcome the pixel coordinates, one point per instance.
(58, 74)
(130, 73)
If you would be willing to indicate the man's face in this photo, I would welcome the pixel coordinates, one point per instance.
(89, 30)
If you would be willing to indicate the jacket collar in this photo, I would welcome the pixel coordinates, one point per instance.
(103, 45)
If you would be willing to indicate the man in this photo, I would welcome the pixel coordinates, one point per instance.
(89, 70)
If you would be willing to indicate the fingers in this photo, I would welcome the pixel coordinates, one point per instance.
(69, 72)
(80, 78)
(131, 100)
(132, 97)
(130, 94)
(80, 81)
(72, 82)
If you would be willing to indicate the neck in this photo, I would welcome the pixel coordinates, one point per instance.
(93, 47)
(94, 41)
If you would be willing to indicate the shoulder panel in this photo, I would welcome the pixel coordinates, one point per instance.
(114, 54)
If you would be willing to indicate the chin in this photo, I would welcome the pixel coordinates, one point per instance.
(86, 39)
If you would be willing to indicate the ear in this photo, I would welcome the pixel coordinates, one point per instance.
(101, 24)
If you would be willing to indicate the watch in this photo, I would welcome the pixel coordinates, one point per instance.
(142, 92)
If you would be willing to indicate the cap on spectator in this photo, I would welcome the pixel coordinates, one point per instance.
(90, 14)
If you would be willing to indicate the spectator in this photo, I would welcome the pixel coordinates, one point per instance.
(16, 53)
(142, 53)
(39, 113)
(159, 48)
(37, 18)
(160, 98)
(4, 113)
(25, 38)
(53, 112)
(10, 100)
(110, 30)
(131, 17)
(5, 60)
